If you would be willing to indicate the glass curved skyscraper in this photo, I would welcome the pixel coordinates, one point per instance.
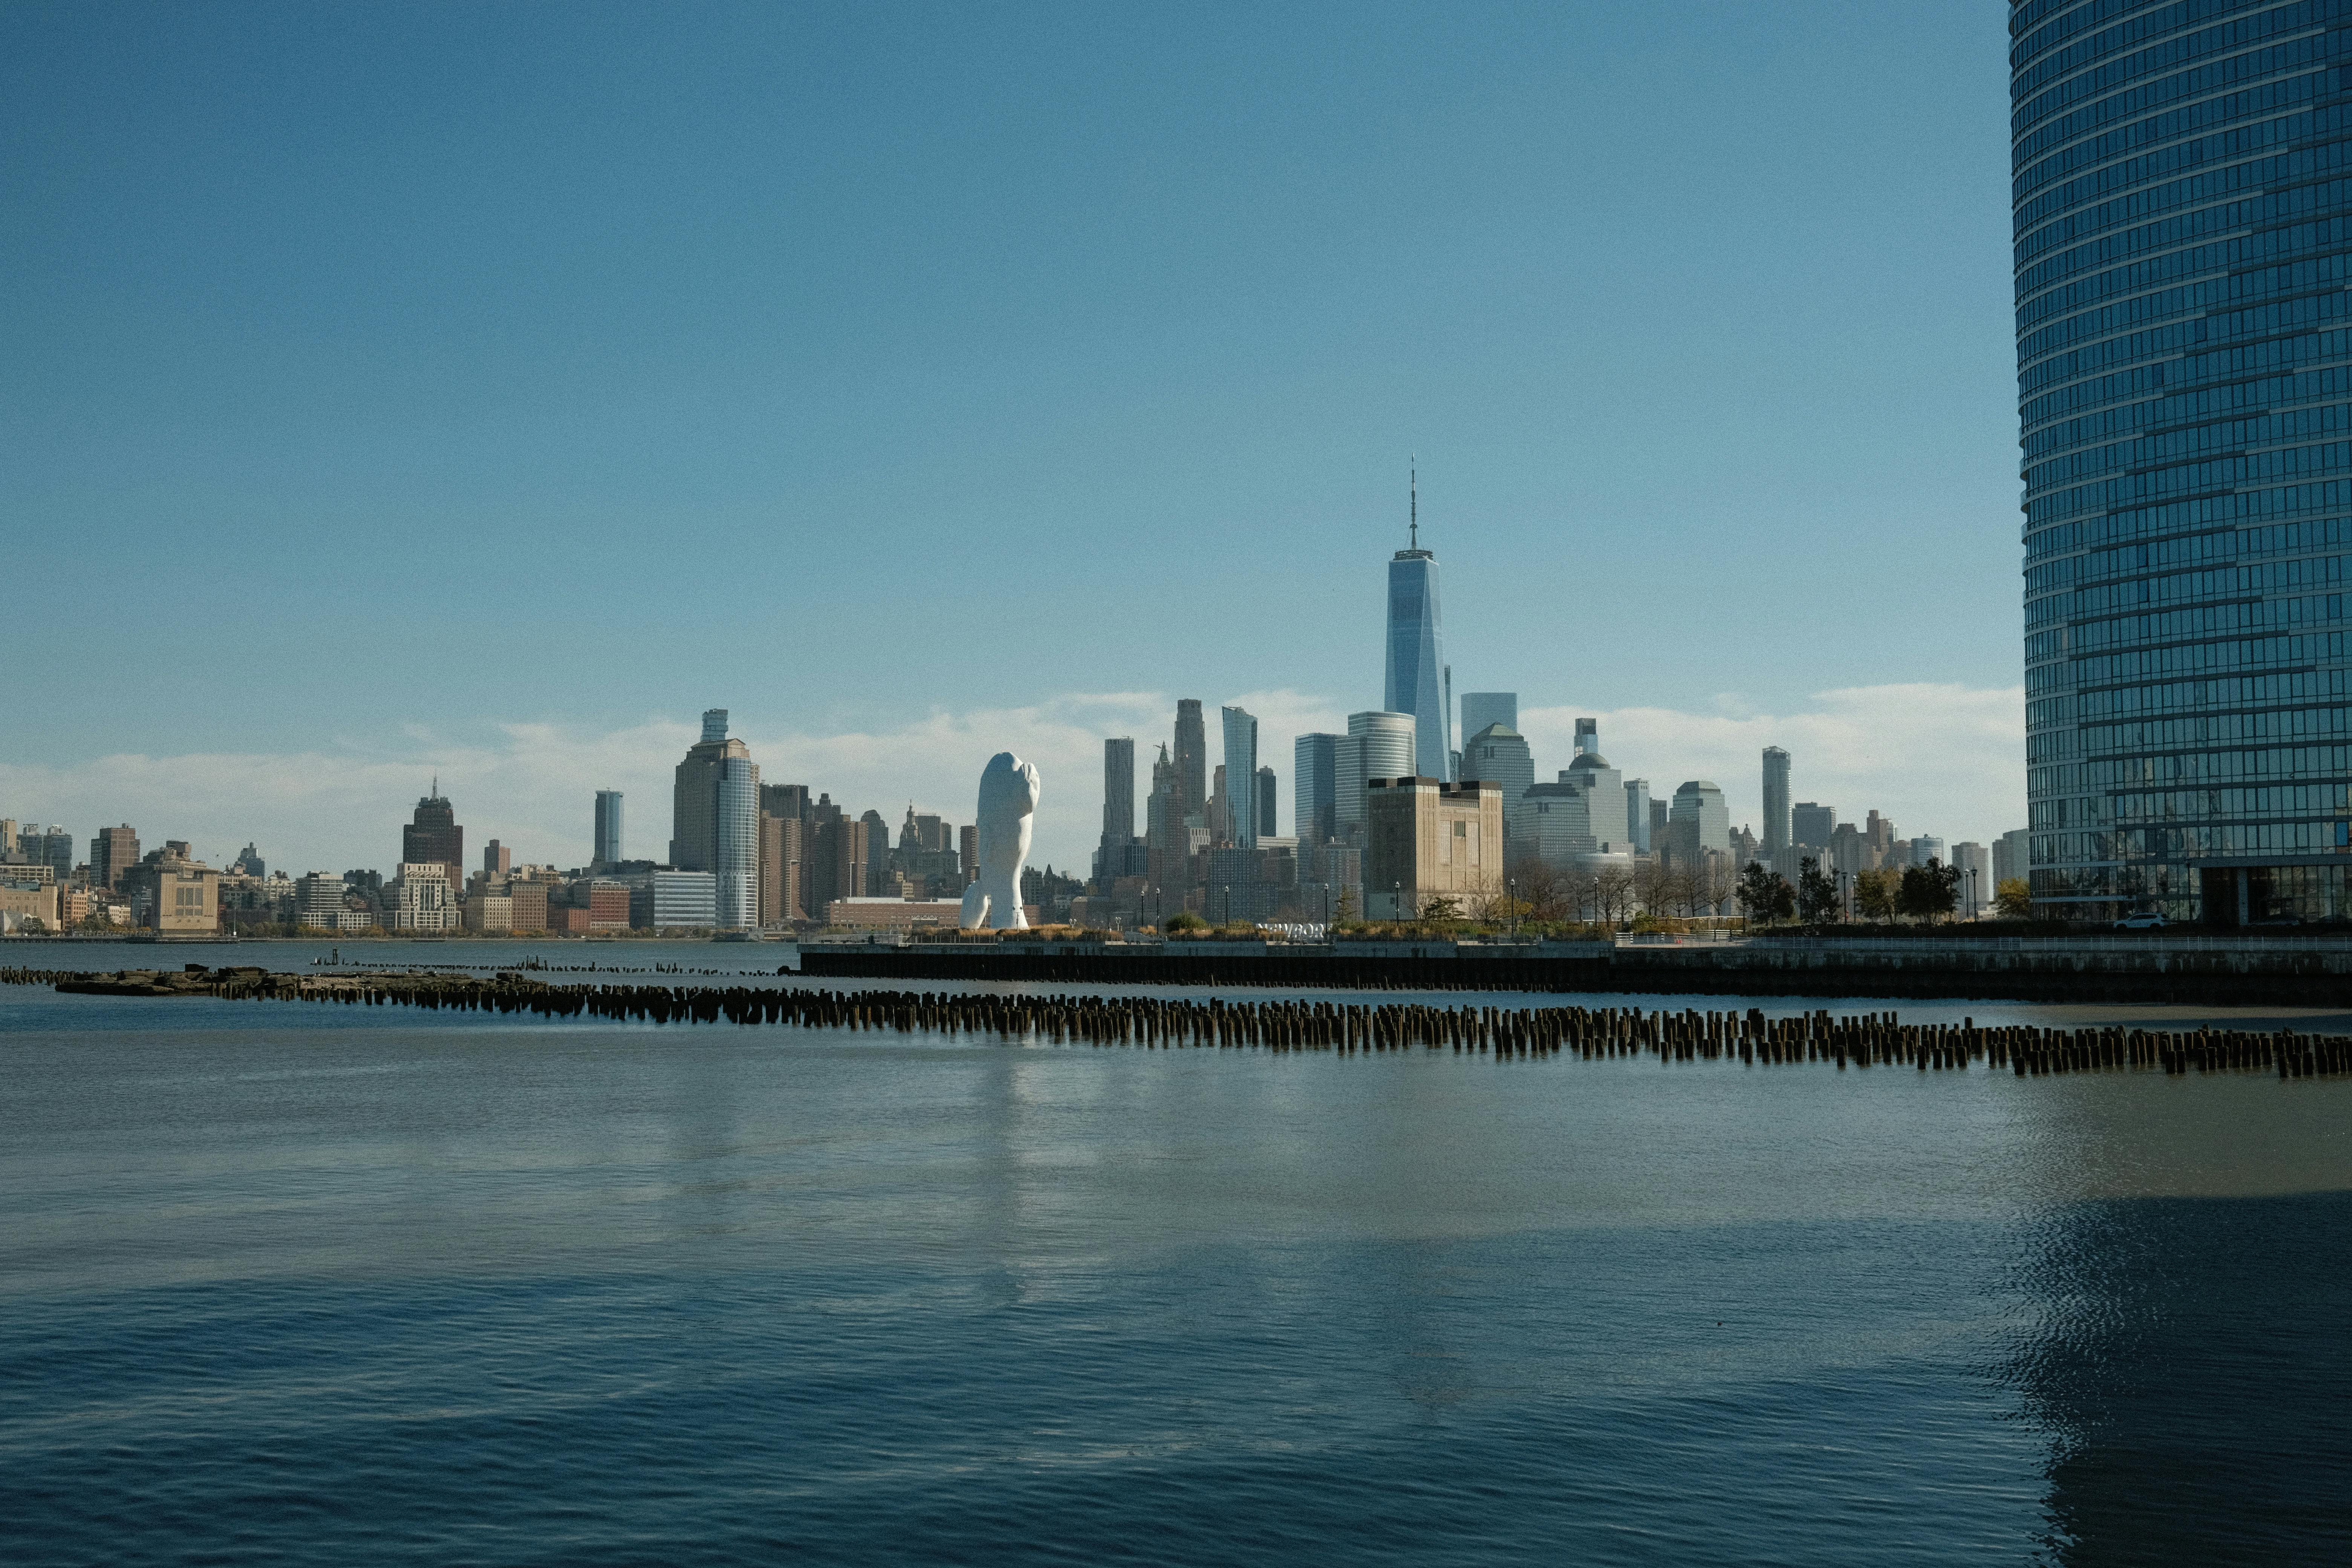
(2183, 216)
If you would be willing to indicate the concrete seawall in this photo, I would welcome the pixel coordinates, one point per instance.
(2195, 971)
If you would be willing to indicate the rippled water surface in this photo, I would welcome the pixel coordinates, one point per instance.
(282, 1283)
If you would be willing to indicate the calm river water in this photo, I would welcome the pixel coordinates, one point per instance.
(292, 1284)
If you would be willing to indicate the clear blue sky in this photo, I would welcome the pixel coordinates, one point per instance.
(367, 369)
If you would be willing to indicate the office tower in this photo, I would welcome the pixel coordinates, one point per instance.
(790, 801)
(248, 862)
(1497, 754)
(1480, 708)
(1268, 799)
(112, 852)
(968, 851)
(783, 851)
(2183, 384)
(1238, 778)
(1698, 821)
(1192, 762)
(1377, 745)
(1220, 818)
(878, 855)
(497, 860)
(840, 853)
(1119, 810)
(1417, 675)
(7, 836)
(434, 839)
(1602, 811)
(1811, 825)
(2008, 857)
(1314, 764)
(1776, 805)
(1638, 815)
(1878, 832)
(694, 797)
(608, 850)
(1164, 839)
(736, 852)
(319, 900)
(1660, 815)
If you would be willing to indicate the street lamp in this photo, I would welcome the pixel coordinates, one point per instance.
(1512, 892)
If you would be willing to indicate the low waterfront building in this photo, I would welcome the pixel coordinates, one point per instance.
(1427, 839)
(490, 913)
(24, 903)
(419, 898)
(172, 894)
(896, 914)
(667, 900)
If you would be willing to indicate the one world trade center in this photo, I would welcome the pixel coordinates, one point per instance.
(1419, 683)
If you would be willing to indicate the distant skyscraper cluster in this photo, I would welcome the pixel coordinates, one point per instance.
(1391, 815)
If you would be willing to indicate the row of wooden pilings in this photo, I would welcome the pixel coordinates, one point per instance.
(1871, 1039)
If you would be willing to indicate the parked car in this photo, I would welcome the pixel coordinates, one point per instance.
(2142, 920)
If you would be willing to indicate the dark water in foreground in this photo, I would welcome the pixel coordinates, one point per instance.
(284, 1284)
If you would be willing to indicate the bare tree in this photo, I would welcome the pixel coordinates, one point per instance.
(1541, 895)
(1612, 891)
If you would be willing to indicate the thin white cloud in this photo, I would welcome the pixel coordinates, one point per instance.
(1947, 760)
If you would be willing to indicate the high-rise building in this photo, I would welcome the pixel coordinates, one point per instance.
(1377, 745)
(1166, 844)
(736, 864)
(1776, 805)
(1638, 816)
(497, 860)
(1240, 776)
(1269, 802)
(434, 839)
(1314, 766)
(2184, 381)
(1698, 821)
(112, 852)
(2010, 854)
(1812, 824)
(1417, 675)
(1480, 708)
(694, 801)
(248, 862)
(1497, 754)
(609, 850)
(877, 854)
(1192, 762)
(1118, 809)
(783, 851)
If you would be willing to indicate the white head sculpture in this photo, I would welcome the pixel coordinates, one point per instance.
(1008, 806)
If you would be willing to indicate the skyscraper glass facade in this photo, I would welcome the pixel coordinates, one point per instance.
(609, 849)
(1416, 661)
(1241, 775)
(2182, 219)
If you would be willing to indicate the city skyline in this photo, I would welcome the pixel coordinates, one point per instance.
(1932, 767)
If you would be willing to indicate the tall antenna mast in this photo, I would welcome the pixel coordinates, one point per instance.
(1415, 482)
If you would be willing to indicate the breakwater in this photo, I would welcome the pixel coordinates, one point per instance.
(2190, 972)
(1499, 1033)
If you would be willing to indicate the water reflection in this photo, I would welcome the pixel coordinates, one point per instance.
(2188, 1364)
